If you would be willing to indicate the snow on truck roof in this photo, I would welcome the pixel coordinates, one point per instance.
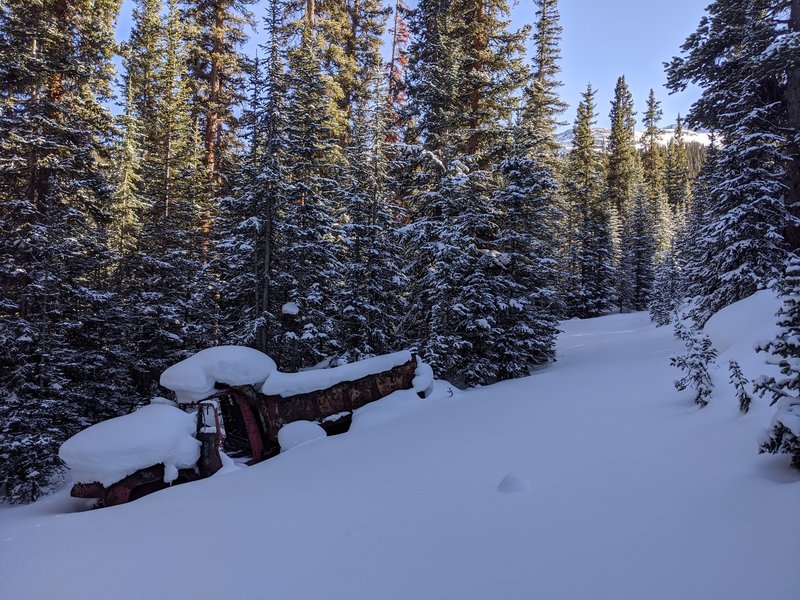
(193, 379)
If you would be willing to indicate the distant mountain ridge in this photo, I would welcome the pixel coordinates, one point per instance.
(601, 135)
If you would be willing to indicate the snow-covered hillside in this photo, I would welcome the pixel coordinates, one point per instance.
(592, 479)
(601, 135)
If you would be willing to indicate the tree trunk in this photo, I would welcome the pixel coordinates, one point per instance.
(793, 109)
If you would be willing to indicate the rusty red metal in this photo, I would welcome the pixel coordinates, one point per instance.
(251, 425)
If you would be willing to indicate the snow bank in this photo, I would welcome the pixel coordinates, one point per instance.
(193, 379)
(114, 449)
(299, 432)
(743, 324)
(291, 384)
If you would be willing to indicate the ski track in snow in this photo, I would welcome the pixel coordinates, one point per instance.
(623, 489)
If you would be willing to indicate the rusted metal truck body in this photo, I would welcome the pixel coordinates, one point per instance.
(244, 422)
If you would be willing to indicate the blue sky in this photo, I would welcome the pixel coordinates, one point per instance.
(602, 40)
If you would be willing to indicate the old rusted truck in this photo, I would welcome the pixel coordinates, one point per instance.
(242, 418)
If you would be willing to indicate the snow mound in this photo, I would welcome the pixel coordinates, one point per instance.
(398, 405)
(743, 324)
(193, 379)
(513, 484)
(291, 309)
(299, 432)
(291, 384)
(114, 449)
(423, 379)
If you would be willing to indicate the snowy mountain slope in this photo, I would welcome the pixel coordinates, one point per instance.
(601, 135)
(614, 486)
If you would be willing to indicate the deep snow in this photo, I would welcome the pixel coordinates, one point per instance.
(591, 479)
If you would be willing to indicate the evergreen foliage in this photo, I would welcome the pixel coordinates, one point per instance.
(740, 383)
(58, 318)
(695, 362)
(784, 433)
(666, 295)
(744, 93)
(591, 271)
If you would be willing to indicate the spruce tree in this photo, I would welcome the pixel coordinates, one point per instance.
(57, 313)
(621, 177)
(591, 261)
(677, 173)
(539, 117)
(699, 355)
(313, 199)
(249, 258)
(784, 433)
(732, 57)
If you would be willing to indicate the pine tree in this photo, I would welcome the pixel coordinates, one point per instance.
(57, 311)
(677, 173)
(699, 354)
(638, 255)
(372, 296)
(666, 295)
(740, 383)
(313, 197)
(527, 301)
(591, 269)
(216, 67)
(396, 67)
(653, 174)
(539, 117)
(784, 433)
(161, 283)
(730, 56)
(249, 259)
(621, 176)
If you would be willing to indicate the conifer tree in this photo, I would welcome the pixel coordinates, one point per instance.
(666, 295)
(397, 65)
(250, 260)
(527, 301)
(732, 56)
(700, 353)
(740, 383)
(542, 105)
(313, 197)
(621, 178)
(784, 433)
(677, 173)
(372, 296)
(56, 315)
(591, 269)
(653, 174)
(638, 255)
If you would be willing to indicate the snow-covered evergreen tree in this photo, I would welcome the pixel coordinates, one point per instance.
(310, 238)
(730, 56)
(591, 272)
(740, 383)
(700, 353)
(665, 298)
(57, 313)
(638, 255)
(784, 433)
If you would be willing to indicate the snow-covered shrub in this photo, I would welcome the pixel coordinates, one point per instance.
(699, 354)
(740, 383)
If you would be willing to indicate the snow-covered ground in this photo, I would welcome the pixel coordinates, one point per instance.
(592, 479)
